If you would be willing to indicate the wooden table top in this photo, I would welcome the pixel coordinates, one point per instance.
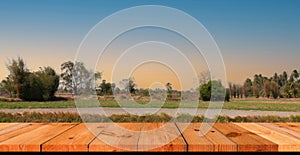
(156, 137)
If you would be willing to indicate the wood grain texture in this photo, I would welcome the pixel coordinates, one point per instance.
(75, 139)
(161, 137)
(116, 137)
(282, 128)
(18, 129)
(291, 126)
(246, 140)
(155, 137)
(284, 142)
(31, 141)
(7, 125)
(212, 141)
(194, 141)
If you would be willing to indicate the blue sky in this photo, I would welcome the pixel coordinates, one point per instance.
(254, 36)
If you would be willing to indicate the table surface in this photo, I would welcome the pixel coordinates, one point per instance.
(156, 137)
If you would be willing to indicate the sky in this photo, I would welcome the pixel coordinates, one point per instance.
(253, 36)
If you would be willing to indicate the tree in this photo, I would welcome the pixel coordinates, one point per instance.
(294, 76)
(30, 86)
(281, 85)
(286, 92)
(106, 88)
(236, 90)
(241, 91)
(293, 88)
(284, 78)
(248, 88)
(258, 85)
(41, 85)
(33, 88)
(256, 90)
(18, 73)
(66, 76)
(116, 90)
(129, 85)
(276, 78)
(206, 91)
(103, 89)
(7, 87)
(113, 88)
(204, 77)
(292, 83)
(50, 82)
(82, 79)
(76, 78)
(227, 95)
(169, 89)
(274, 89)
(267, 88)
(231, 91)
(98, 75)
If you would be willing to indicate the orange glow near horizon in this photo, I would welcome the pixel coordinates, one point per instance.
(146, 74)
(150, 73)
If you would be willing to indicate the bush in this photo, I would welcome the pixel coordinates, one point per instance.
(40, 86)
(32, 89)
(162, 117)
(219, 91)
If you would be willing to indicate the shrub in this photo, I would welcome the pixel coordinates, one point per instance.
(162, 117)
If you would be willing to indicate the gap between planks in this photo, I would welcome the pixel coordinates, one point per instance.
(232, 137)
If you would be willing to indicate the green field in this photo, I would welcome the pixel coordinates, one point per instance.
(264, 105)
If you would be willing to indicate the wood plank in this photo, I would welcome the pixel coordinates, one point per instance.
(195, 143)
(116, 137)
(149, 137)
(17, 130)
(75, 139)
(280, 127)
(12, 127)
(161, 137)
(211, 141)
(291, 126)
(285, 142)
(30, 141)
(7, 125)
(246, 141)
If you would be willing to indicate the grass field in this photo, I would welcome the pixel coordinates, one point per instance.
(261, 104)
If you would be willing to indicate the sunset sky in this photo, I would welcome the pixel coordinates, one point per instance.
(254, 36)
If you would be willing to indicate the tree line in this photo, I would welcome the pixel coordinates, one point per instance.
(42, 85)
(75, 78)
(277, 86)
